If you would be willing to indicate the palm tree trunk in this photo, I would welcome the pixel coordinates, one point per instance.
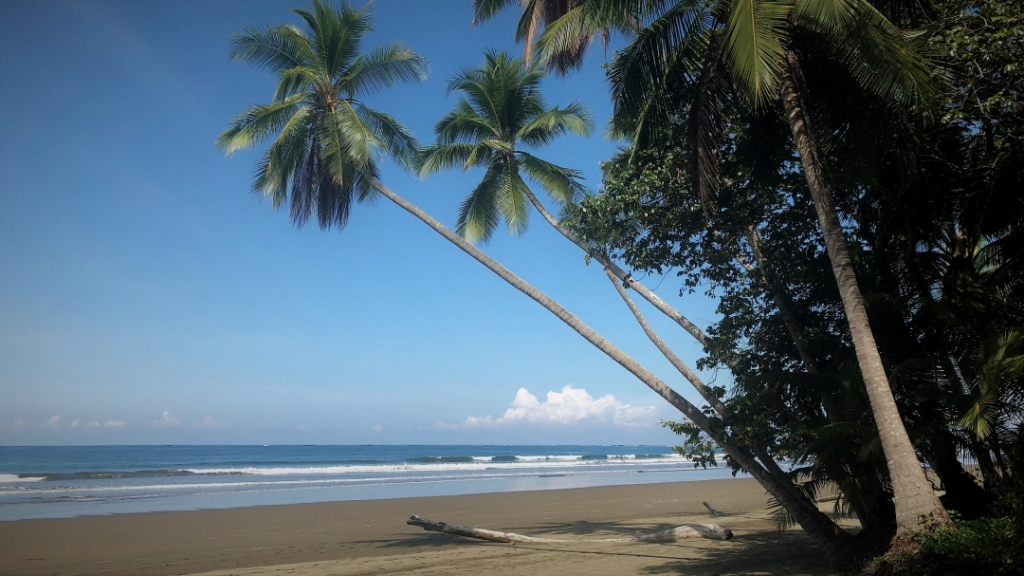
(621, 274)
(613, 352)
(667, 352)
(916, 503)
(837, 543)
(829, 401)
(782, 302)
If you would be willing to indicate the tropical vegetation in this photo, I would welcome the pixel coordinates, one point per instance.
(843, 176)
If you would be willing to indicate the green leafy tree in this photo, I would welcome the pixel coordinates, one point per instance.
(765, 51)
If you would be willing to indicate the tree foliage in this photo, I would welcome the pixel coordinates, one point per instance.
(934, 216)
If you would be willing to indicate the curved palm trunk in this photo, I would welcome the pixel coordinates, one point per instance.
(621, 274)
(916, 503)
(837, 543)
(667, 352)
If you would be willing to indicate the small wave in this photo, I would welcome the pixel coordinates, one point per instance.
(98, 475)
(21, 477)
(423, 464)
(105, 474)
(559, 458)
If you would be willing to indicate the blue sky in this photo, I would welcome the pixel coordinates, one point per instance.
(146, 296)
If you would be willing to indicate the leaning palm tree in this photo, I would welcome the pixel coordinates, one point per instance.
(324, 152)
(500, 115)
(748, 45)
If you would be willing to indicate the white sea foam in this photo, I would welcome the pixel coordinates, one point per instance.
(16, 478)
(271, 484)
(528, 462)
(559, 458)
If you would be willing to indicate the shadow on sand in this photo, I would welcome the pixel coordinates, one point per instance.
(760, 552)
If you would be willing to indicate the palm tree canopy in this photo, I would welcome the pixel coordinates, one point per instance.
(325, 142)
(688, 60)
(537, 15)
(502, 109)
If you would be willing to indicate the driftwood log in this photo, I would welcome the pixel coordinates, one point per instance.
(711, 531)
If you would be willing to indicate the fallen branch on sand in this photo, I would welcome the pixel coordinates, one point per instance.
(710, 531)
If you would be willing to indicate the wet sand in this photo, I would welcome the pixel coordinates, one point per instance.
(371, 537)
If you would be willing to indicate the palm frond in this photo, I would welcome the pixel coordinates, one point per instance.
(456, 155)
(259, 122)
(279, 162)
(514, 203)
(756, 32)
(383, 67)
(349, 145)
(335, 34)
(479, 213)
(566, 38)
(528, 24)
(548, 125)
(666, 55)
(473, 83)
(465, 124)
(825, 14)
(706, 129)
(395, 139)
(296, 80)
(881, 58)
(484, 10)
(274, 49)
(562, 184)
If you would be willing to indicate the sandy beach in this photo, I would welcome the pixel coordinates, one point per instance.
(371, 537)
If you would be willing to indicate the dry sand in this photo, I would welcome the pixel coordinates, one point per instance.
(371, 537)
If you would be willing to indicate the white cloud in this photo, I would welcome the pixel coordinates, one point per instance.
(377, 428)
(18, 424)
(209, 422)
(53, 422)
(107, 424)
(568, 407)
(74, 424)
(167, 420)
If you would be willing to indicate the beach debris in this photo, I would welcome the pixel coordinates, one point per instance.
(710, 509)
(710, 531)
(470, 532)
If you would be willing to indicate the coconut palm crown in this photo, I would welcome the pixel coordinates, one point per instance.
(326, 143)
(502, 110)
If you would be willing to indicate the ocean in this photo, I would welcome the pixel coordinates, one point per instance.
(69, 481)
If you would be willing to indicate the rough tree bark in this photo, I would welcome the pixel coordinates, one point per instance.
(916, 503)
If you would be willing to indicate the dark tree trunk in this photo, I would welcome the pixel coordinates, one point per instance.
(963, 494)
(913, 497)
